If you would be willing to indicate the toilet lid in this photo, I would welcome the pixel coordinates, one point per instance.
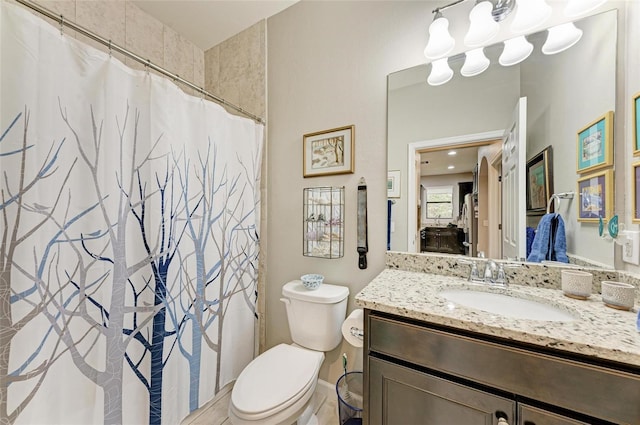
(275, 379)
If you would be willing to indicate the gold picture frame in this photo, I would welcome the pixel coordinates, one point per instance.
(636, 124)
(635, 196)
(594, 144)
(595, 192)
(329, 152)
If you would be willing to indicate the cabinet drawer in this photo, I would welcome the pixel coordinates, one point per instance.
(529, 415)
(600, 392)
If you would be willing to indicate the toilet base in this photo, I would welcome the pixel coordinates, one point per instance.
(307, 417)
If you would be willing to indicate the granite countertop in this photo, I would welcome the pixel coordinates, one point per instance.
(599, 331)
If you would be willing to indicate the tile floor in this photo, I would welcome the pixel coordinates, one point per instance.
(215, 411)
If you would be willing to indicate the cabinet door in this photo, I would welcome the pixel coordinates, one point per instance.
(432, 240)
(399, 395)
(529, 415)
(448, 241)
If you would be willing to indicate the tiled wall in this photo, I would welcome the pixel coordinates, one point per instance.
(236, 69)
(128, 26)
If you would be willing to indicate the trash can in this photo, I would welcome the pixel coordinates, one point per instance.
(349, 390)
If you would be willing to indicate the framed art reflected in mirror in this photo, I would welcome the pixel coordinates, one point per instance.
(595, 144)
(636, 124)
(635, 183)
(539, 181)
(393, 184)
(596, 196)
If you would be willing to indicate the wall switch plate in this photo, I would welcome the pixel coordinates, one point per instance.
(631, 247)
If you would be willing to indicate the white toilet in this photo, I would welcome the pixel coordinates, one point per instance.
(277, 386)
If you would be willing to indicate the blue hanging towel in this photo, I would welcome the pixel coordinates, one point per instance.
(550, 241)
(531, 233)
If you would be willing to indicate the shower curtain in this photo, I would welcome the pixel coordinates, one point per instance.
(129, 219)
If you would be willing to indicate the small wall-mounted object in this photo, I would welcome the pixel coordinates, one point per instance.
(323, 222)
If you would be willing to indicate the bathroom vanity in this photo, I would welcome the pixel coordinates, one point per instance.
(447, 240)
(430, 361)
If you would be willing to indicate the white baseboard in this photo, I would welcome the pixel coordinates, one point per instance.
(326, 389)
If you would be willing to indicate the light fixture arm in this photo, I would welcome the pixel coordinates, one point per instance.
(501, 8)
(446, 6)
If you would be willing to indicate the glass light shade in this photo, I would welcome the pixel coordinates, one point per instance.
(482, 27)
(475, 63)
(441, 73)
(515, 51)
(530, 14)
(577, 8)
(560, 38)
(440, 41)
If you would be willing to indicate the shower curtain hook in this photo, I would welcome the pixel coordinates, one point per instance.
(110, 48)
(147, 66)
(61, 24)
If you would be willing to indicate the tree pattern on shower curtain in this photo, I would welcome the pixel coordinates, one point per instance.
(129, 250)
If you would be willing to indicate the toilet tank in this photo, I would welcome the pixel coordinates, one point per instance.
(315, 316)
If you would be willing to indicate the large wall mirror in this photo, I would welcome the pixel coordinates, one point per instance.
(470, 115)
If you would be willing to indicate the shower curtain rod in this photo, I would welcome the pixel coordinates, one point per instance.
(114, 47)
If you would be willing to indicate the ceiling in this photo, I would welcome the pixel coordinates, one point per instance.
(207, 23)
(464, 161)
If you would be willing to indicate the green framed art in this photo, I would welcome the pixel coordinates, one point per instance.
(595, 145)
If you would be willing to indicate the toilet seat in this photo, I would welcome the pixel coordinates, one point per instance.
(274, 381)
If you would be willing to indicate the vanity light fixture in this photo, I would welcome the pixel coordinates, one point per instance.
(482, 26)
(475, 63)
(441, 73)
(452, 153)
(515, 51)
(577, 8)
(561, 37)
(530, 14)
(440, 41)
(451, 167)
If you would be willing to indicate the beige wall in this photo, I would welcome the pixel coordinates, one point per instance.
(127, 26)
(327, 67)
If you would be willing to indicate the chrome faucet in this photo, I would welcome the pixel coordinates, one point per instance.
(500, 276)
(489, 267)
(487, 276)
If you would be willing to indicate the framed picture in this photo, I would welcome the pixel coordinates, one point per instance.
(596, 196)
(595, 144)
(636, 124)
(539, 181)
(393, 184)
(635, 183)
(329, 152)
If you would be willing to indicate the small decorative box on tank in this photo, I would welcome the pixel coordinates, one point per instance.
(323, 222)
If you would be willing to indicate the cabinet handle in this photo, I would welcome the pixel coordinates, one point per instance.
(502, 418)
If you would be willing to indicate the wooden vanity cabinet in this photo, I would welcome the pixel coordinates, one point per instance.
(418, 373)
(446, 240)
(407, 396)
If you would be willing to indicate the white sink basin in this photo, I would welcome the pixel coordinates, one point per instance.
(508, 306)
